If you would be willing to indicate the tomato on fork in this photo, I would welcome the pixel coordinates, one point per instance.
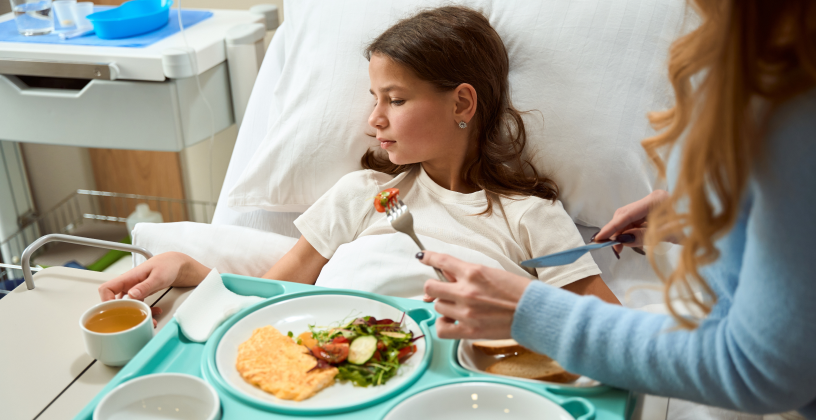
(384, 197)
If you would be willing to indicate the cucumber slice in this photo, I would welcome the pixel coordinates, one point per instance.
(397, 335)
(361, 349)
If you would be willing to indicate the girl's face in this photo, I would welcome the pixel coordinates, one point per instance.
(414, 122)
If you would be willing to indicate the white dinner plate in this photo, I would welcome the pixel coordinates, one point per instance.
(476, 361)
(477, 401)
(296, 315)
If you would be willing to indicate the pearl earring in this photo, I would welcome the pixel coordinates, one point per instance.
(462, 124)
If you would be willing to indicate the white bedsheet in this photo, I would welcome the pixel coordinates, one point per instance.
(386, 264)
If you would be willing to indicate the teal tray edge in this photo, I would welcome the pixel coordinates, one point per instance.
(170, 351)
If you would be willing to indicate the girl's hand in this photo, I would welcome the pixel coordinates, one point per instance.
(160, 272)
(482, 299)
(631, 219)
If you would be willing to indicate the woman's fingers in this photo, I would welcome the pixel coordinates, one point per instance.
(637, 233)
(446, 328)
(436, 289)
(623, 219)
(451, 310)
(453, 267)
(631, 215)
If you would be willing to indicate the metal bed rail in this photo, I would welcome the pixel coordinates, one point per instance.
(85, 207)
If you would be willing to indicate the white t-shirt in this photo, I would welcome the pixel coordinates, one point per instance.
(533, 227)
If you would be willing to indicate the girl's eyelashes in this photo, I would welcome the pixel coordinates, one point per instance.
(395, 102)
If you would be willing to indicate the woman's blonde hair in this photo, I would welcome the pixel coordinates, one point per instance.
(746, 53)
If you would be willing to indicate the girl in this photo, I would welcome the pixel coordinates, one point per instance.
(442, 114)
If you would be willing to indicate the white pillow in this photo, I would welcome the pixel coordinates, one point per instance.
(230, 249)
(592, 68)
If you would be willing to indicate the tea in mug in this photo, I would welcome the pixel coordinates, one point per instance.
(115, 319)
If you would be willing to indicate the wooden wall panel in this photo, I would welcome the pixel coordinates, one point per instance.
(140, 172)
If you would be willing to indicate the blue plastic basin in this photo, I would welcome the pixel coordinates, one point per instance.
(131, 18)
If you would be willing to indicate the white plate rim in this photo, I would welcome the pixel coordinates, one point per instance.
(593, 388)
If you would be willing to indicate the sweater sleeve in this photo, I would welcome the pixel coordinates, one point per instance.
(754, 356)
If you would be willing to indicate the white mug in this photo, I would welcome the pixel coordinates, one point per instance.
(116, 349)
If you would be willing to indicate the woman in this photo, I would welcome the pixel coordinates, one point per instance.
(742, 199)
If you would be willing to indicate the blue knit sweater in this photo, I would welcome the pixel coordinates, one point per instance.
(756, 351)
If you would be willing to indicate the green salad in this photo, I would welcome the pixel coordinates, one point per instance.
(366, 351)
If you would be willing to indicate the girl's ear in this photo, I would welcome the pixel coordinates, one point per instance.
(465, 107)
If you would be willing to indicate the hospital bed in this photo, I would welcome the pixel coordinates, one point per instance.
(259, 237)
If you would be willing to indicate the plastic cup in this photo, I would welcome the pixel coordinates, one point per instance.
(33, 17)
(64, 12)
(81, 12)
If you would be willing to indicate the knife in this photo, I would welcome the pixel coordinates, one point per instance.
(571, 255)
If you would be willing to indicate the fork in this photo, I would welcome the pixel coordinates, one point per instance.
(402, 221)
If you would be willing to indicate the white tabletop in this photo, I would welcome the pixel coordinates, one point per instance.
(205, 37)
(45, 371)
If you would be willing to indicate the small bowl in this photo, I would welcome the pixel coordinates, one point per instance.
(132, 18)
(157, 395)
(476, 401)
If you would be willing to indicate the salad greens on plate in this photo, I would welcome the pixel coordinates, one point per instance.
(366, 351)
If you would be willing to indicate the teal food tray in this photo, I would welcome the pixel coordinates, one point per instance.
(170, 352)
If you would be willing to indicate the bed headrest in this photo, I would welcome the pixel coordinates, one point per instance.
(593, 69)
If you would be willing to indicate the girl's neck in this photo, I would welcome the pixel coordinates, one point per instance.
(449, 177)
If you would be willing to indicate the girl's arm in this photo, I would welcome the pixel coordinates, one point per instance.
(302, 264)
(595, 286)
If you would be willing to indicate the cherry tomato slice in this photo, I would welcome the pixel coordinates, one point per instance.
(333, 353)
(383, 197)
(340, 339)
(405, 353)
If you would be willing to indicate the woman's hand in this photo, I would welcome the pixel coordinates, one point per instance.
(160, 272)
(631, 219)
(482, 299)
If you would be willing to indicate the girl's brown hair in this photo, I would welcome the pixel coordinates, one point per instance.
(447, 47)
(747, 52)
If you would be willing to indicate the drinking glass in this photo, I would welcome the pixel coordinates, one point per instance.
(33, 17)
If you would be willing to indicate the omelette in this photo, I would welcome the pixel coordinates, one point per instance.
(276, 364)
